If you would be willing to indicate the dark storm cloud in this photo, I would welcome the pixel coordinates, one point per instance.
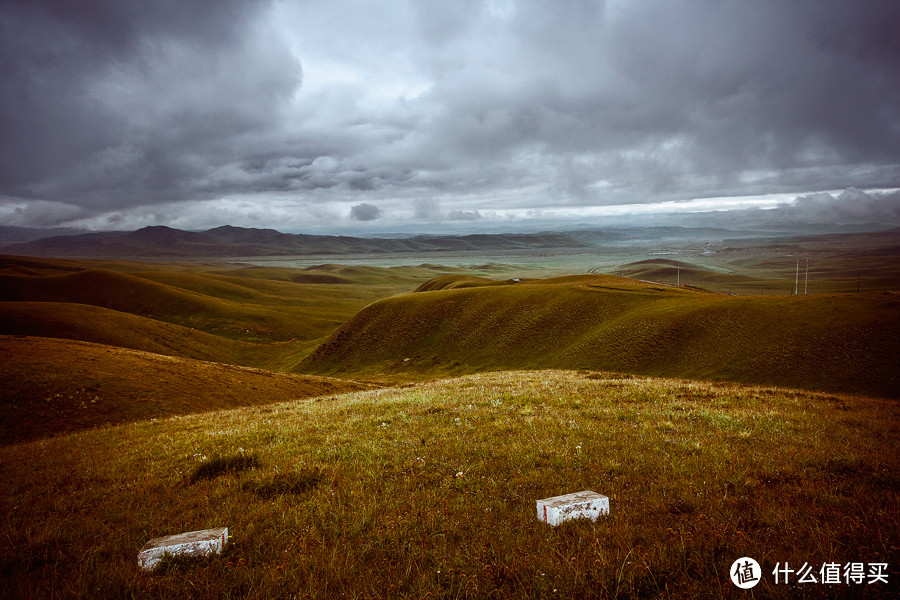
(476, 106)
(365, 212)
(675, 98)
(123, 102)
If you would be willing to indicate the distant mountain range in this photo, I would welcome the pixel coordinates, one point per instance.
(160, 242)
(228, 241)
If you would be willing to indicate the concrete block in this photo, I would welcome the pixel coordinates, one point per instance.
(586, 504)
(193, 543)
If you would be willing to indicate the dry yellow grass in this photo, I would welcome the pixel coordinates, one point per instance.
(428, 492)
(52, 386)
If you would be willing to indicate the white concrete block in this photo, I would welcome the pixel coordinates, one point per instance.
(586, 504)
(193, 543)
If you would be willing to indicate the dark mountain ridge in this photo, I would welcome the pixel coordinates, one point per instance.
(162, 242)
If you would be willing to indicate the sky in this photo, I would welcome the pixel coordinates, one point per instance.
(402, 115)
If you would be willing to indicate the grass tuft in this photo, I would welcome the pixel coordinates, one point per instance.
(221, 465)
(284, 484)
(181, 564)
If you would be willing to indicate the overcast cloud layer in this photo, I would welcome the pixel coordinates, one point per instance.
(313, 115)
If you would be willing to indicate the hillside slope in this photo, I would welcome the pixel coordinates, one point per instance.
(845, 343)
(251, 316)
(55, 386)
(108, 289)
(99, 325)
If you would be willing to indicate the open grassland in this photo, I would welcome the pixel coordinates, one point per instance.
(848, 343)
(241, 315)
(682, 273)
(864, 270)
(827, 264)
(52, 386)
(429, 491)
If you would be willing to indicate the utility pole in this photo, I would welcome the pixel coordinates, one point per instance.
(678, 280)
(806, 282)
(797, 277)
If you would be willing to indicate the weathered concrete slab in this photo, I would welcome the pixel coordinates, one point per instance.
(580, 505)
(192, 543)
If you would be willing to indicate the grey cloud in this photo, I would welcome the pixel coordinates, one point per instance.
(114, 102)
(42, 213)
(107, 105)
(463, 215)
(656, 90)
(365, 212)
(852, 206)
(427, 209)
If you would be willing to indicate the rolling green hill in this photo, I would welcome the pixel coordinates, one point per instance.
(53, 386)
(254, 316)
(114, 328)
(838, 343)
(457, 281)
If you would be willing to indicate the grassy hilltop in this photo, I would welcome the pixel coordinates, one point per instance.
(458, 324)
(429, 492)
